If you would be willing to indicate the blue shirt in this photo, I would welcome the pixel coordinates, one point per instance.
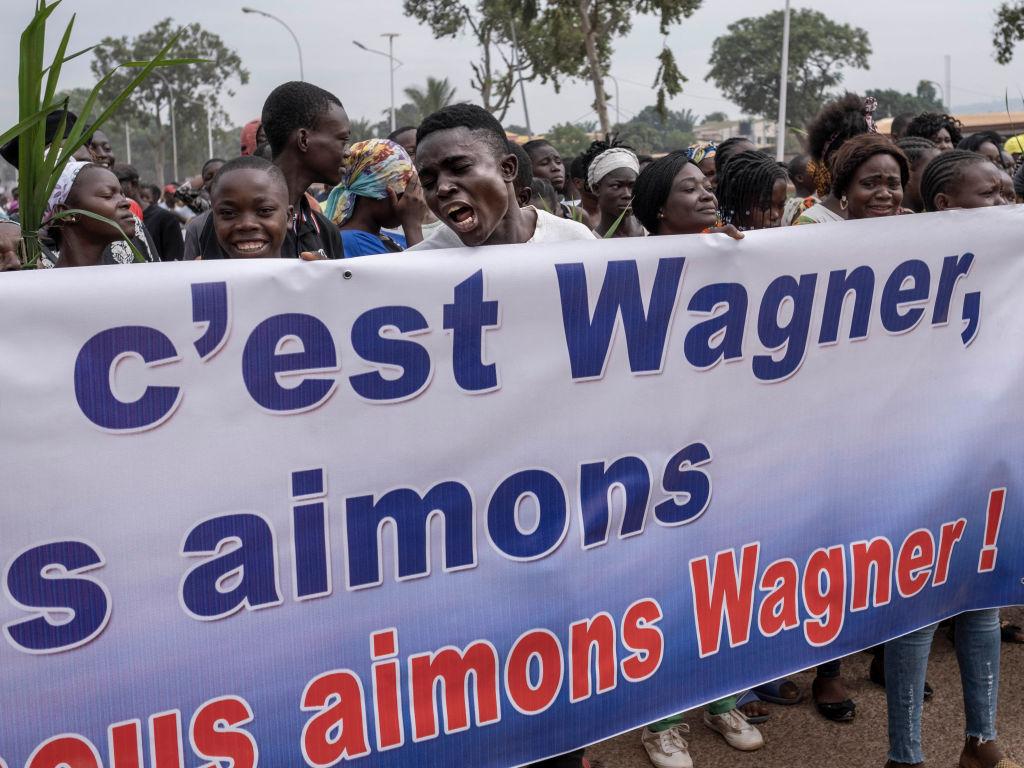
(358, 243)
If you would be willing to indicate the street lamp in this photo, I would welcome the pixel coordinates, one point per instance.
(174, 130)
(393, 65)
(245, 9)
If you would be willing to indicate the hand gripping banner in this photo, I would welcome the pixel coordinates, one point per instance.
(481, 507)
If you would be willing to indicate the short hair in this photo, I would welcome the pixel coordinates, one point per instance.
(944, 172)
(973, 142)
(470, 116)
(399, 131)
(857, 151)
(915, 148)
(534, 144)
(249, 163)
(210, 162)
(797, 165)
(125, 172)
(899, 124)
(578, 168)
(154, 191)
(545, 190)
(746, 182)
(653, 186)
(928, 124)
(1018, 182)
(524, 171)
(292, 106)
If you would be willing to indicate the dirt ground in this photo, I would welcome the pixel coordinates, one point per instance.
(799, 736)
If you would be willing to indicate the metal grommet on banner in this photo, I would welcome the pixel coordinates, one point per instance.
(347, 274)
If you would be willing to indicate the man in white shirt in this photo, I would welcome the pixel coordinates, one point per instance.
(467, 173)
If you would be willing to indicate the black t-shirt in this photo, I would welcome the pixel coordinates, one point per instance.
(163, 227)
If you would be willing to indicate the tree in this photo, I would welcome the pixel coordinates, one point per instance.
(892, 102)
(745, 62)
(715, 117)
(569, 139)
(494, 24)
(426, 101)
(651, 131)
(362, 130)
(573, 39)
(1009, 30)
(197, 89)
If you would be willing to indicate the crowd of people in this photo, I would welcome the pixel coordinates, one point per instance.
(298, 189)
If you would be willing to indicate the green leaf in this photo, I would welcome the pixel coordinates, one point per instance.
(58, 60)
(96, 217)
(615, 224)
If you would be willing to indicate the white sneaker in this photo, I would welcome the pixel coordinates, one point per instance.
(737, 732)
(667, 749)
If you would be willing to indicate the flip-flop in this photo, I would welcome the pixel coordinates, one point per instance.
(772, 692)
(749, 698)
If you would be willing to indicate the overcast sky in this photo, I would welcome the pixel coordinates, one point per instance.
(909, 39)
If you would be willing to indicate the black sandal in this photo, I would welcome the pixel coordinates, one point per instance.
(838, 712)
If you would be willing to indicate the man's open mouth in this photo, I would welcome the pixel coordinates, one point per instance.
(460, 217)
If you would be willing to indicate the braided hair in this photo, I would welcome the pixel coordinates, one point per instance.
(945, 172)
(837, 121)
(653, 186)
(915, 147)
(745, 187)
(857, 151)
(591, 153)
(729, 149)
(928, 124)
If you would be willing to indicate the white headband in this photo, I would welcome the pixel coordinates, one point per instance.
(608, 161)
(62, 188)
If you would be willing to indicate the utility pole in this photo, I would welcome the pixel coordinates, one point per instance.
(128, 142)
(519, 74)
(391, 66)
(780, 129)
(949, 86)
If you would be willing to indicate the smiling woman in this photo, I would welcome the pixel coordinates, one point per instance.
(869, 173)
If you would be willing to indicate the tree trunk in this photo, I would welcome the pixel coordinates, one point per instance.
(596, 75)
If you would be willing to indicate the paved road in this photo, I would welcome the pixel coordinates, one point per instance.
(798, 736)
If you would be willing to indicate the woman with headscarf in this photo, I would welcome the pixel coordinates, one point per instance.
(378, 190)
(77, 240)
(611, 176)
(702, 154)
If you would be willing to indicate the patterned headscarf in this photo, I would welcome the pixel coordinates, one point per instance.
(702, 150)
(369, 170)
(62, 188)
